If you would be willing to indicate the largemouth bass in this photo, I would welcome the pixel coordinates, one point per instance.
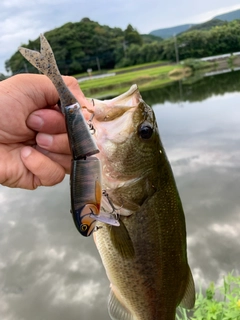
(143, 248)
(145, 258)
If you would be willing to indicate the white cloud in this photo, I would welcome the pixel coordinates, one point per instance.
(226, 230)
(213, 13)
(55, 253)
(75, 293)
(87, 293)
(86, 264)
(187, 160)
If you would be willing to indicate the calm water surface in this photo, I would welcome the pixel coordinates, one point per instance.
(48, 271)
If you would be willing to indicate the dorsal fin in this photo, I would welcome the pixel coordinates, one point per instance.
(116, 310)
(188, 299)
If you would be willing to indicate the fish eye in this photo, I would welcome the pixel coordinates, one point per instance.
(83, 227)
(145, 131)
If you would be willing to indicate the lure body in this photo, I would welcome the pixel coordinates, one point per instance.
(85, 177)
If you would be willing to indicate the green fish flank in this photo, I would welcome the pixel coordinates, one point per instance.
(146, 257)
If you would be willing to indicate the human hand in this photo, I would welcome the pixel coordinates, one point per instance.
(28, 104)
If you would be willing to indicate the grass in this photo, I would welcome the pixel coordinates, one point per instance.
(149, 76)
(125, 69)
(218, 303)
(146, 76)
(144, 65)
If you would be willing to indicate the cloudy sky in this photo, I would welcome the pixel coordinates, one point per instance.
(23, 20)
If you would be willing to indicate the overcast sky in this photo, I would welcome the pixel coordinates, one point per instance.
(24, 20)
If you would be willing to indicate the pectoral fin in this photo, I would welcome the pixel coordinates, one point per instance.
(121, 241)
(188, 300)
(116, 310)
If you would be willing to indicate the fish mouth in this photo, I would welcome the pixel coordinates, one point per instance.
(112, 119)
(108, 110)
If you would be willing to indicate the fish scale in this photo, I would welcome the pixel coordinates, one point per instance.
(148, 270)
(145, 258)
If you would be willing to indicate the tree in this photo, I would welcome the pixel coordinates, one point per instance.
(76, 46)
(131, 36)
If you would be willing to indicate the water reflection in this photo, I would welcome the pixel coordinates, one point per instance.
(202, 141)
(197, 88)
(48, 271)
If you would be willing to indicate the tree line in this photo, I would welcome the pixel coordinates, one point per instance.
(81, 46)
(89, 45)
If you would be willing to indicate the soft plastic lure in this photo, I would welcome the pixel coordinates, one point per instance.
(85, 177)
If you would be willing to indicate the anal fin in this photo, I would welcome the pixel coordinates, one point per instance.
(116, 310)
(188, 300)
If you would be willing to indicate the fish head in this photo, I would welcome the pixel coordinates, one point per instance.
(127, 136)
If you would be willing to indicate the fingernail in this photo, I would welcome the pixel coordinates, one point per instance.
(35, 122)
(26, 151)
(44, 140)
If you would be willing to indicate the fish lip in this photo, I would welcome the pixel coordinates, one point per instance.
(130, 92)
(112, 119)
(108, 110)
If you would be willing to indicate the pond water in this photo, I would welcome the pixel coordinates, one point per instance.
(48, 271)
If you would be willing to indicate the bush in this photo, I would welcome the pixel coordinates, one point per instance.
(221, 303)
(195, 64)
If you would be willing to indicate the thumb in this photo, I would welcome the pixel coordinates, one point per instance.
(45, 172)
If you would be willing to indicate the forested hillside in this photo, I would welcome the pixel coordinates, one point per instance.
(229, 16)
(83, 45)
(203, 43)
(87, 44)
(206, 25)
(166, 33)
(220, 39)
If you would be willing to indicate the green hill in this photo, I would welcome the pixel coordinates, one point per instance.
(170, 32)
(218, 20)
(148, 38)
(86, 45)
(206, 25)
(229, 16)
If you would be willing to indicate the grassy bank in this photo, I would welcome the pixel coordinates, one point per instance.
(217, 303)
(145, 76)
(126, 69)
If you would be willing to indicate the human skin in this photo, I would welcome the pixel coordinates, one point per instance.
(34, 148)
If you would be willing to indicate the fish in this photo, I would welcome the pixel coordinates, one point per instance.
(145, 258)
(140, 232)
